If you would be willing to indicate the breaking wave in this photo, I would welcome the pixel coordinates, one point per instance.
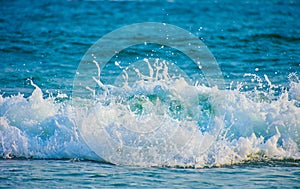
(157, 121)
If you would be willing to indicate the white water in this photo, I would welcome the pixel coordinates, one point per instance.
(156, 123)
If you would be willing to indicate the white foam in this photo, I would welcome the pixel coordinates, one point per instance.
(251, 127)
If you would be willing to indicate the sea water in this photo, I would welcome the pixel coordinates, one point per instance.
(148, 124)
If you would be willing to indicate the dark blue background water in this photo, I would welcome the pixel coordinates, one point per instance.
(45, 40)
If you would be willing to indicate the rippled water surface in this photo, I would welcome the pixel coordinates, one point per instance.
(60, 173)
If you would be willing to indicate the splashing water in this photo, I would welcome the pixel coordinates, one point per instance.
(159, 120)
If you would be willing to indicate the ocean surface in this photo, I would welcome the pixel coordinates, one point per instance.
(150, 115)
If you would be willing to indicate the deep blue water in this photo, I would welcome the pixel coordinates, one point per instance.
(255, 43)
(46, 40)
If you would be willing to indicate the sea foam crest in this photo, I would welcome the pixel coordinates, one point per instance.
(253, 126)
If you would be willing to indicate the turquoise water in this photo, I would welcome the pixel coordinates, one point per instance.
(69, 174)
(149, 117)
